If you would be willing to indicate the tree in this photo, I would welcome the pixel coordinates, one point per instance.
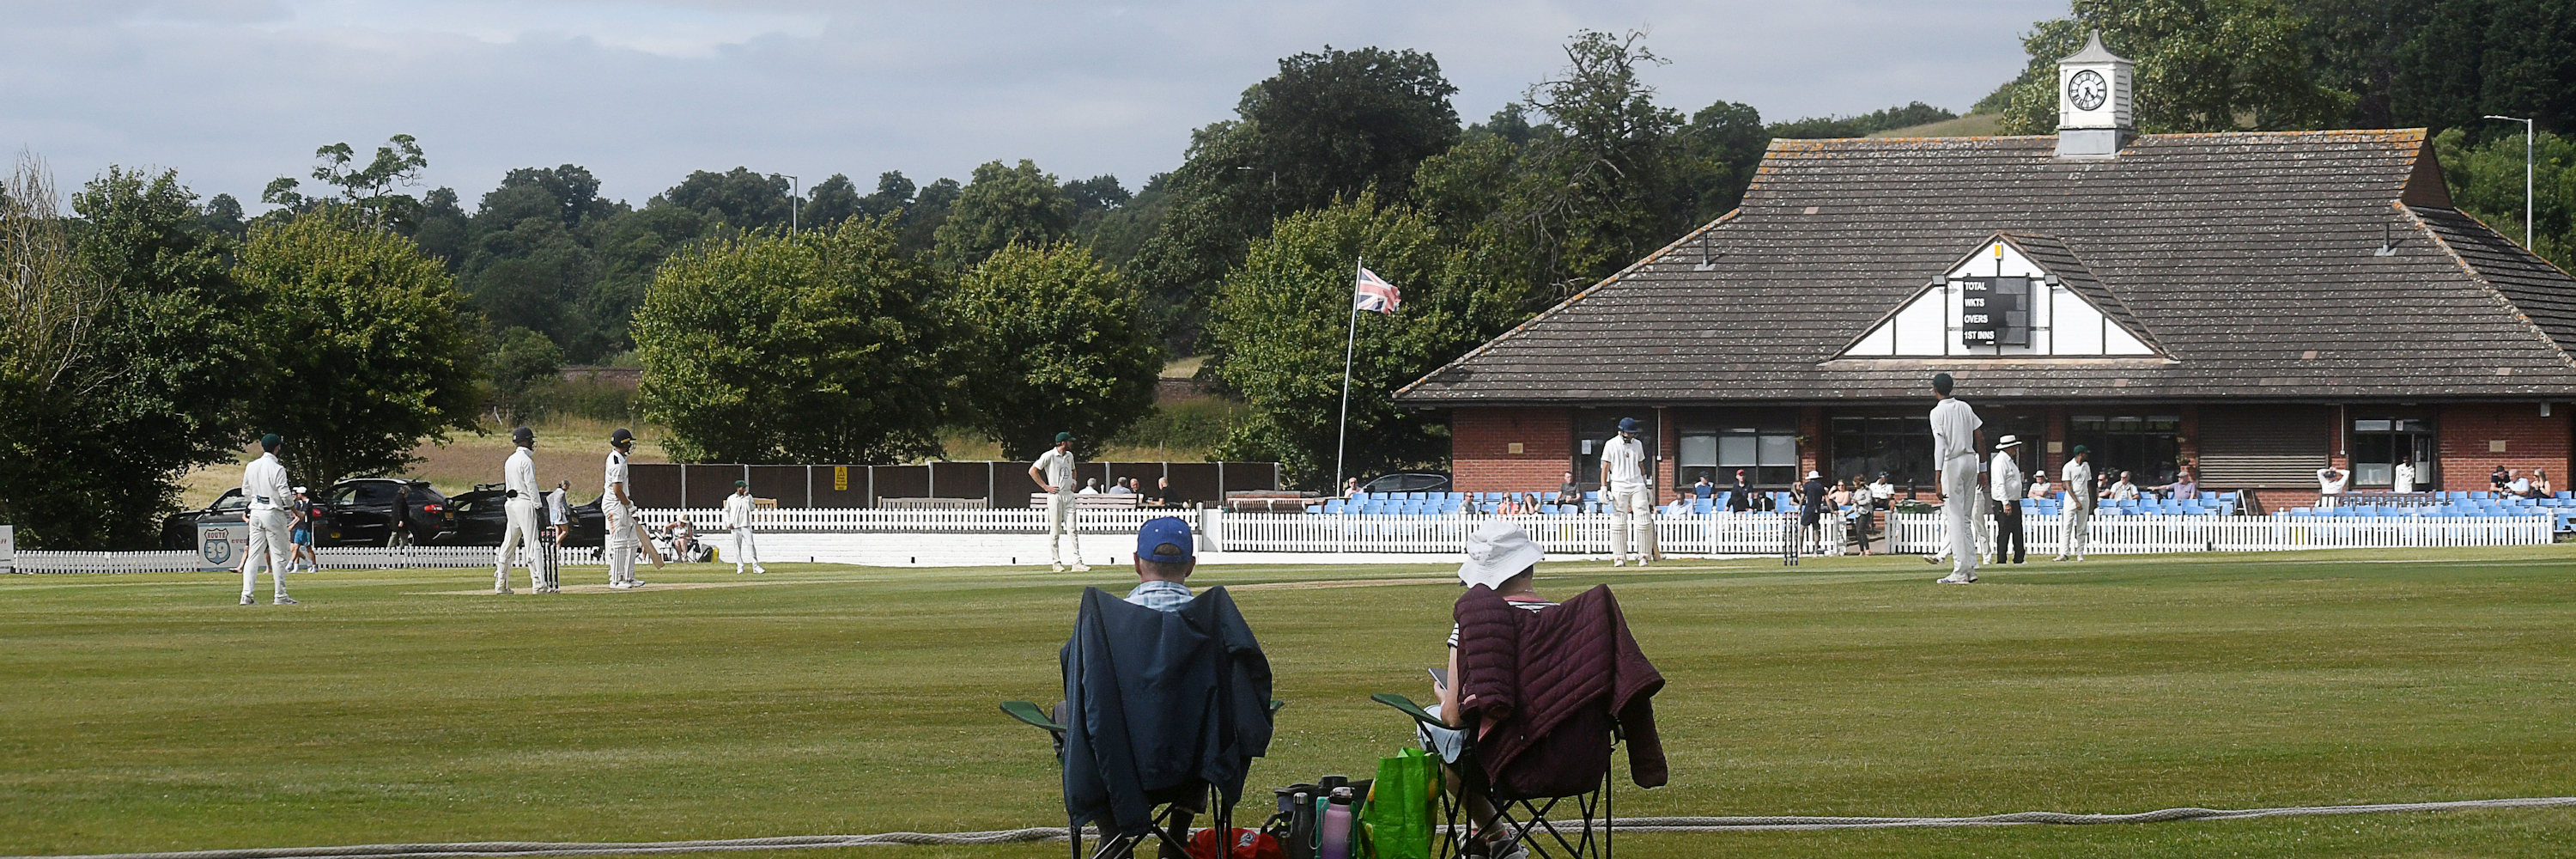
(831, 201)
(810, 347)
(49, 361)
(521, 359)
(1055, 347)
(1280, 328)
(1598, 193)
(2464, 59)
(1001, 207)
(2202, 65)
(367, 190)
(743, 199)
(371, 353)
(2486, 181)
(1326, 127)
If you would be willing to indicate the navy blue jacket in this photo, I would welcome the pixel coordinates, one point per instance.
(1157, 704)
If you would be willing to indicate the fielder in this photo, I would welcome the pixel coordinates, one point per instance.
(2080, 499)
(1632, 504)
(1054, 474)
(1954, 454)
(519, 480)
(737, 512)
(624, 535)
(271, 516)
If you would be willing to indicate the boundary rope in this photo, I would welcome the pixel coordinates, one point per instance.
(1057, 833)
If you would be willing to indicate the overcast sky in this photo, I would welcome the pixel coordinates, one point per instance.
(232, 93)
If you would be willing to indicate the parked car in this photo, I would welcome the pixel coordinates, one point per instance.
(1409, 481)
(360, 512)
(356, 512)
(179, 530)
(482, 519)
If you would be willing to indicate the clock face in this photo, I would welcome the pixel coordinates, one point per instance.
(2087, 90)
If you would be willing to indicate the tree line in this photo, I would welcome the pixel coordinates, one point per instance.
(774, 323)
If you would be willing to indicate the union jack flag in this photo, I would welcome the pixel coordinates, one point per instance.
(1375, 294)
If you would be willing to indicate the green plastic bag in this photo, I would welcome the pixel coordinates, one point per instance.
(1402, 804)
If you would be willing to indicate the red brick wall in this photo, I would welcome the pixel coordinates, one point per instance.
(1480, 457)
(2530, 441)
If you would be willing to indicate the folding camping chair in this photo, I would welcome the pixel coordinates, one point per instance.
(1525, 817)
(1170, 808)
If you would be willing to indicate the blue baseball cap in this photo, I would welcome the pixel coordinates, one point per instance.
(1164, 531)
(1628, 424)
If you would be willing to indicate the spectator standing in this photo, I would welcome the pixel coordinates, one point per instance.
(302, 539)
(1954, 453)
(2005, 474)
(559, 510)
(1813, 497)
(2080, 501)
(271, 516)
(2330, 485)
(1632, 505)
(1863, 500)
(2404, 480)
(1054, 474)
(1741, 499)
(737, 513)
(398, 532)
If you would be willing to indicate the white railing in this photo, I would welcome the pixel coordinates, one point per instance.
(823, 521)
(1574, 533)
(103, 562)
(329, 558)
(1922, 533)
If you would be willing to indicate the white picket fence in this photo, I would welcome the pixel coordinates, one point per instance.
(1572, 534)
(1923, 533)
(820, 521)
(329, 558)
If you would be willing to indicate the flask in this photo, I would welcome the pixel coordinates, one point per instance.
(1337, 825)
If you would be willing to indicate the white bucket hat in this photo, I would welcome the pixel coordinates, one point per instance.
(1497, 551)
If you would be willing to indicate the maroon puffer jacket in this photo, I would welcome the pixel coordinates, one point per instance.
(1545, 687)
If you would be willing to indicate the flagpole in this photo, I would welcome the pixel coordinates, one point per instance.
(1351, 338)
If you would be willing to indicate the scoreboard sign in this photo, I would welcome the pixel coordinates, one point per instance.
(1994, 311)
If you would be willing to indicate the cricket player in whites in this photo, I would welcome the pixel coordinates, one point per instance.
(2080, 499)
(1954, 454)
(1632, 504)
(520, 496)
(1054, 474)
(737, 510)
(271, 516)
(623, 538)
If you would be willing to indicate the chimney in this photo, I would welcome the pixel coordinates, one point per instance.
(2093, 102)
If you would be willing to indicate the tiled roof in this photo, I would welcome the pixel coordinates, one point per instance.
(2248, 257)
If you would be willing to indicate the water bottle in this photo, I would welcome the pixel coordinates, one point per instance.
(1337, 825)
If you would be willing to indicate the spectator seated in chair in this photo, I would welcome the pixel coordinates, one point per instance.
(1167, 701)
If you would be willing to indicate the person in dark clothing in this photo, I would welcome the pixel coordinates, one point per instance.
(1742, 499)
(1811, 506)
(1503, 561)
(1570, 492)
(1159, 705)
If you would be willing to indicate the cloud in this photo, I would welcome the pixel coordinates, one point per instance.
(234, 92)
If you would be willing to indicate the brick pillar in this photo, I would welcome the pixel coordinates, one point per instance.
(1812, 454)
(1668, 457)
(2189, 447)
(2052, 431)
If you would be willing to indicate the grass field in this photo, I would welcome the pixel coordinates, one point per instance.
(150, 713)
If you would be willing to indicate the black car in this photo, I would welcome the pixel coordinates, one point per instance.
(360, 512)
(482, 519)
(1411, 481)
(355, 512)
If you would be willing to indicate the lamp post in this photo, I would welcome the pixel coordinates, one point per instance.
(2526, 174)
(795, 189)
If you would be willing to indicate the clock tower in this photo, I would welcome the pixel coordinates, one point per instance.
(2093, 102)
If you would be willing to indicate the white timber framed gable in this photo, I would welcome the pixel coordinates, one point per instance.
(1999, 301)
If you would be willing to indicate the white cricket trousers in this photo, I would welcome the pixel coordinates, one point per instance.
(1959, 510)
(271, 546)
(1061, 528)
(2078, 536)
(743, 550)
(620, 544)
(523, 532)
(1632, 517)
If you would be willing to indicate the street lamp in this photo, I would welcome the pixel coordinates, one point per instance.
(2526, 174)
(795, 188)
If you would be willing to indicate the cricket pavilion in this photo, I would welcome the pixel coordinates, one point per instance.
(2261, 304)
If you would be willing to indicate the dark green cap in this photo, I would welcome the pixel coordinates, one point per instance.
(1063, 437)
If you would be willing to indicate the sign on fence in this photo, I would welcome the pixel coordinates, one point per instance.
(222, 545)
(8, 548)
